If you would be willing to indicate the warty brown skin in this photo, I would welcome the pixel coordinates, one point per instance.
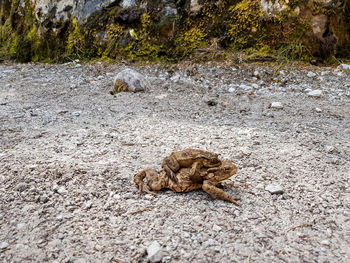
(187, 158)
(188, 180)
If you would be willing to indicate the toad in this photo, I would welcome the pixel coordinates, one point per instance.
(189, 158)
(188, 179)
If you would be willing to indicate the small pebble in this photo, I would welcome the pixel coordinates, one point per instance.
(59, 217)
(98, 247)
(20, 226)
(21, 187)
(231, 90)
(44, 198)
(255, 86)
(318, 110)
(257, 74)
(88, 204)
(329, 149)
(155, 252)
(276, 105)
(4, 245)
(216, 228)
(209, 242)
(62, 191)
(274, 189)
(325, 242)
(311, 74)
(116, 196)
(347, 130)
(315, 93)
(161, 96)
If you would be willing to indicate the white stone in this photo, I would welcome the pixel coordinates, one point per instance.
(274, 189)
(216, 228)
(345, 66)
(20, 226)
(256, 74)
(176, 78)
(155, 252)
(4, 245)
(329, 149)
(88, 204)
(311, 74)
(116, 196)
(54, 188)
(276, 105)
(255, 86)
(161, 96)
(209, 242)
(318, 110)
(136, 81)
(231, 90)
(243, 86)
(62, 191)
(315, 93)
(325, 242)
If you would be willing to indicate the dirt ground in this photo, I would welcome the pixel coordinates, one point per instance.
(69, 151)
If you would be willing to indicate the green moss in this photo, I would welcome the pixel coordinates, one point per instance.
(75, 41)
(187, 43)
(246, 25)
(240, 25)
(144, 45)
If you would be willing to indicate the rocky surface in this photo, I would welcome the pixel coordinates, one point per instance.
(69, 150)
(63, 30)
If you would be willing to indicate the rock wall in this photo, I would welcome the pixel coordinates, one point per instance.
(172, 29)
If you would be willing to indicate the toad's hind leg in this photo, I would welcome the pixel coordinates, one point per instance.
(215, 192)
(195, 172)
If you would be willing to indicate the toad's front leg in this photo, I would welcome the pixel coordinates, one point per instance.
(171, 166)
(215, 192)
(138, 179)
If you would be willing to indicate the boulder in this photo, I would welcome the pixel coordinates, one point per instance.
(136, 82)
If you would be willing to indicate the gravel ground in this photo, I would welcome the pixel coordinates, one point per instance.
(69, 150)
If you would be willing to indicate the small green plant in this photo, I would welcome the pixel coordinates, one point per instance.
(35, 41)
(75, 41)
(114, 34)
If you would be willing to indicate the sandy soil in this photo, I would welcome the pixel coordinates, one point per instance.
(69, 150)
